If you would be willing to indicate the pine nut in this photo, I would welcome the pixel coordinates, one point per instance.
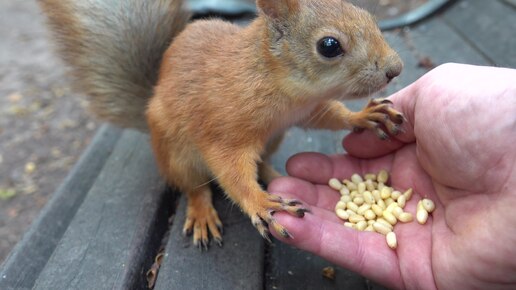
(335, 184)
(385, 192)
(428, 205)
(408, 194)
(370, 185)
(391, 240)
(381, 204)
(405, 217)
(378, 210)
(344, 191)
(421, 213)
(381, 228)
(397, 211)
(389, 217)
(376, 195)
(384, 222)
(389, 201)
(363, 208)
(356, 178)
(349, 225)
(340, 205)
(361, 225)
(351, 186)
(382, 176)
(361, 187)
(395, 195)
(369, 215)
(370, 176)
(356, 218)
(392, 206)
(345, 198)
(402, 201)
(368, 197)
(342, 214)
(352, 206)
(358, 200)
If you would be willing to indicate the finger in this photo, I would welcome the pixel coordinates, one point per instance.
(365, 253)
(405, 102)
(320, 199)
(353, 143)
(319, 168)
(313, 195)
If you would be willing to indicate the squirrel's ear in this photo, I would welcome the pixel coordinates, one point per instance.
(278, 9)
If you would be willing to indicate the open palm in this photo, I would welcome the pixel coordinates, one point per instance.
(459, 150)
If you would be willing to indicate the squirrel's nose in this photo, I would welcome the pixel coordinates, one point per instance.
(393, 70)
(390, 74)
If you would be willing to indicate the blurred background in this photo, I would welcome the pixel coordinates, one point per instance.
(44, 126)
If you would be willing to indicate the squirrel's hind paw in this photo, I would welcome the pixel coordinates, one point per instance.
(202, 221)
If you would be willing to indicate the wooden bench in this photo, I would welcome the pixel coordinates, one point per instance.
(113, 214)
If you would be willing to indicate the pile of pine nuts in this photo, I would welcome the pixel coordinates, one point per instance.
(368, 204)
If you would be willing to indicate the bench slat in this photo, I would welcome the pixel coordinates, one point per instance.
(488, 25)
(237, 265)
(31, 254)
(436, 39)
(111, 241)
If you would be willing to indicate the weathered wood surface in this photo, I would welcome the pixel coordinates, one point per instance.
(488, 26)
(29, 257)
(237, 265)
(111, 240)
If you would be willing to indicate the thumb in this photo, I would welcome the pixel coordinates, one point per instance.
(368, 145)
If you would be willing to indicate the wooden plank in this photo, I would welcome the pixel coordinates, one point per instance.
(30, 255)
(237, 265)
(489, 26)
(438, 41)
(290, 268)
(112, 239)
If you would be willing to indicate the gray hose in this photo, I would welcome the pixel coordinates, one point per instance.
(413, 16)
(232, 7)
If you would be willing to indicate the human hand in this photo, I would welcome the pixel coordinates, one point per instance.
(459, 150)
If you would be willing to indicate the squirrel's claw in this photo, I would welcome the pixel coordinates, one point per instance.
(379, 117)
(262, 218)
(202, 221)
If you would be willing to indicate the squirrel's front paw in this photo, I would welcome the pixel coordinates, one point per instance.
(201, 220)
(261, 213)
(378, 112)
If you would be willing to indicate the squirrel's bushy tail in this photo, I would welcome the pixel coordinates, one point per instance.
(114, 49)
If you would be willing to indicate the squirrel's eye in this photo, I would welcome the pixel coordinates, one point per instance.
(329, 47)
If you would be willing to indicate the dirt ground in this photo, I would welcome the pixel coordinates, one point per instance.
(43, 125)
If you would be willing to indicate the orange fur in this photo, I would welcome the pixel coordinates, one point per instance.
(225, 91)
(224, 94)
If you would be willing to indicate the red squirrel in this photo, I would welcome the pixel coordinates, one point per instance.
(216, 98)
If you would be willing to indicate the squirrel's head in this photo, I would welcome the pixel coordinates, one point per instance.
(327, 46)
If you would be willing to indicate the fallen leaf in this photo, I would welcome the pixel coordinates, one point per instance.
(30, 167)
(14, 97)
(426, 62)
(7, 193)
(329, 273)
